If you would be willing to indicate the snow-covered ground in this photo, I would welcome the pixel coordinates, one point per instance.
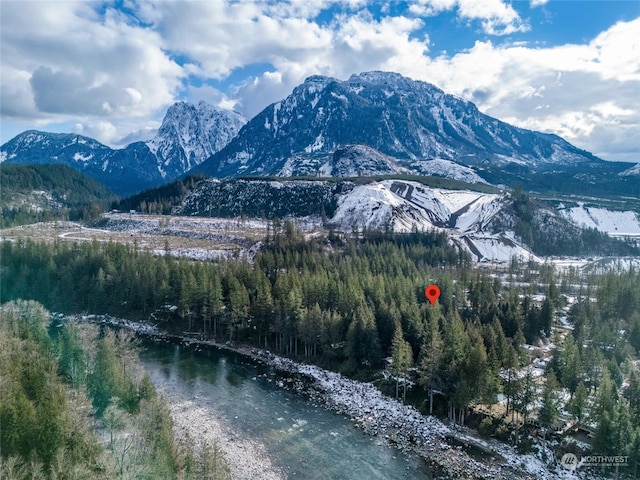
(635, 170)
(496, 248)
(411, 204)
(604, 220)
(447, 169)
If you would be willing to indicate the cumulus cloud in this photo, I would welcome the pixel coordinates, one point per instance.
(68, 61)
(295, 48)
(586, 93)
(495, 16)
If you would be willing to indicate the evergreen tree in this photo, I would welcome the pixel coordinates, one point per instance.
(549, 409)
(578, 404)
(401, 358)
(430, 365)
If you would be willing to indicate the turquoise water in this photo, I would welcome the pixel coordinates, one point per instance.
(305, 440)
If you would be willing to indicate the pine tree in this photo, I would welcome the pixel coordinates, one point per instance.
(578, 404)
(432, 352)
(606, 397)
(570, 364)
(401, 358)
(549, 409)
(632, 394)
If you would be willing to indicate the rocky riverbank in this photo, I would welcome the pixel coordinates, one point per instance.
(399, 424)
(196, 420)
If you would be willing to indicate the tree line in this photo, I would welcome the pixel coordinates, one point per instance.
(66, 195)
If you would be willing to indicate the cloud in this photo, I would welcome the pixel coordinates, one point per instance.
(495, 16)
(586, 93)
(101, 130)
(71, 61)
(297, 48)
(116, 73)
(538, 3)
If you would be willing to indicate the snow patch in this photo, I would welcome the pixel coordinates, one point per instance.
(448, 169)
(635, 170)
(79, 157)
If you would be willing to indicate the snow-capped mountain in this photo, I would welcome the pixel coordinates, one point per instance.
(37, 147)
(401, 118)
(188, 135)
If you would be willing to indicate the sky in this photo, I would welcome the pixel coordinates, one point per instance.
(110, 70)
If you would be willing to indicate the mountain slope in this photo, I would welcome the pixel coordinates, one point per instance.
(38, 192)
(400, 117)
(188, 135)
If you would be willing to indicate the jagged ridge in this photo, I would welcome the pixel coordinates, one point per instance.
(400, 117)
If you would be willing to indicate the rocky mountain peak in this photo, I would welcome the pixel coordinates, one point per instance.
(402, 118)
(190, 133)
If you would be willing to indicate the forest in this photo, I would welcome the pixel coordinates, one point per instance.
(357, 304)
(76, 404)
(40, 193)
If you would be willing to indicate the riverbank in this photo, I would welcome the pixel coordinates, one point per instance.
(399, 425)
(197, 421)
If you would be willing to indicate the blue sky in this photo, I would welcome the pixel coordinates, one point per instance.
(111, 69)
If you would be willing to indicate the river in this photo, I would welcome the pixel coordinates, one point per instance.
(303, 440)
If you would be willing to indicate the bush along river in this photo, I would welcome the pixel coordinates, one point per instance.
(278, 419)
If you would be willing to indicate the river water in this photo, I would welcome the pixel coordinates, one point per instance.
(304, 440)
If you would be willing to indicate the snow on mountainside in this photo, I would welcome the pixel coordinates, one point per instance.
(359, 160)
(190, 134)
(609, 221)
(401, 118)
(635, 170)
(347, 161)
(468, 216)
(36, 147)
(403, 206)
(446, 168)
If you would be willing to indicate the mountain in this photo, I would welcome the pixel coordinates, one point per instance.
(188, 135)
(406, 120)
(33, 193)
(347, 161)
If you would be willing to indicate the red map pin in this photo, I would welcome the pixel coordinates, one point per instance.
(432, 292)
